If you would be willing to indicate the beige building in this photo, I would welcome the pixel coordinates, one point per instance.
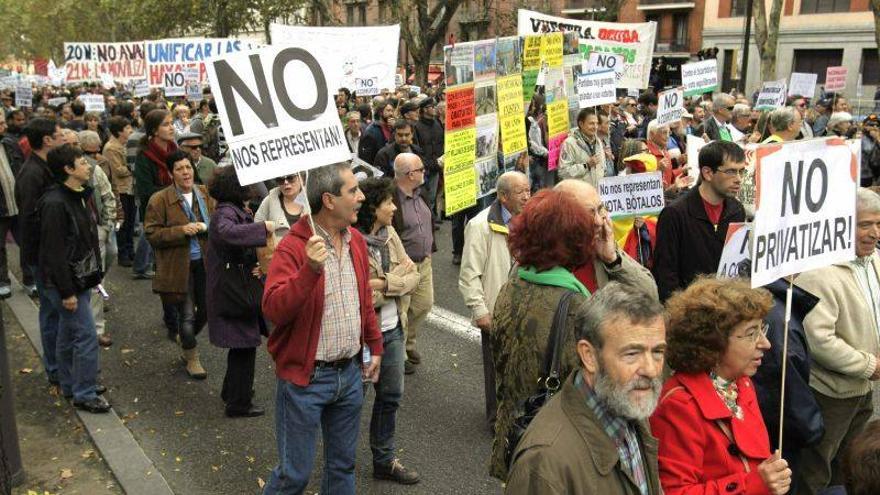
(813, 35)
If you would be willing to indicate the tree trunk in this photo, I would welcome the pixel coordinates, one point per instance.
(767, 36)
(421, 64)
(421, 28)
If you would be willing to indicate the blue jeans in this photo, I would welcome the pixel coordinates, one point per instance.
(77, 346)
(143, 255)
(49, 321)
(389, 391)
(331, 404)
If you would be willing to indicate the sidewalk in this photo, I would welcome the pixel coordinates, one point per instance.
(57, 453)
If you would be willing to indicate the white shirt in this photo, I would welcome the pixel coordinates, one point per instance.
(189, 198)
(866, 275)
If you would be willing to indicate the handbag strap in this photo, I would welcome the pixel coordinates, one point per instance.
(555, 341)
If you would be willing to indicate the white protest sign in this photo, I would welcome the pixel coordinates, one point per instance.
(694, 145)
(600, 61)
(277, 108)
(24, 96)
(596, 88)
(835, 79)
(632, 195)
(174, 84)
(346, 47)
(772, 95)
(805, 208)
(632, 93)
(107, 81)
(141, 88)
(58, 100)
(194, 91)
(398, 81)
(670, 106)
(700, 77)
(417, 89)
(802, 84)
(93, 103)
(367, 86)
(736, 250)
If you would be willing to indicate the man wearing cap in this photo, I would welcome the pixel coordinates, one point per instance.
(840, 125)
(191, 144)
(429, 135)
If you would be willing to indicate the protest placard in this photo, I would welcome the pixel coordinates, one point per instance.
(174, 55)
(632, 195)
(174, 84)
(367, 86)
(700, 77)
(635, 41)
(551, 49)
(736, 251)
(460, 108)
(347, 46)
(694, 144)
(460, 190)
(557, 117)
(107, 81)
(194, 91)
(89, 61)
(601, 61)
(772, 95)
(141, 88)
(670, 106)
(835, 79)
(802, 84)
(596, 88)
(57, 101)
(805, 207)
(93, 103)
(24, 96)
(278, 112)
(510, 114)
(191, 74)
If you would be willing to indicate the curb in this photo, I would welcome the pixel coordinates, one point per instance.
(135, 472)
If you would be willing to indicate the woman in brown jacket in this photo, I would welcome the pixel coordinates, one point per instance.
(176, 224)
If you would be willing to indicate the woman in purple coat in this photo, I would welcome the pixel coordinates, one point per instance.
(232, 237)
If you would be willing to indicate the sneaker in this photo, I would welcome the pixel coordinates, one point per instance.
(5, 292)
(395, 471)
(143, 275)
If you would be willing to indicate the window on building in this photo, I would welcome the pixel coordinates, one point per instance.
(738, 8)
(680, 22)
(349, 14)
(816, 61)
(362, 14)
(730, 73)
(383, 10)
(870, 67)
(824, 6)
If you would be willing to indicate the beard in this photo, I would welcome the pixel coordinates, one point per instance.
(617, 399)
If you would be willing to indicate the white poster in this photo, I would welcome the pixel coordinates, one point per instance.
(772, 95)
(600, 61)
(93, 103)
(805, 208)
(635, 41)
(174, 84)
(629, 195)
(802, 84)
(107, 81)
(361, 52)
(24, 96)
(175, 55)
(736, 250)
(596, 88)
(700, 77)
(57, 101)
(694, 145)
(141, 88)
(280, 125)
(670, 106)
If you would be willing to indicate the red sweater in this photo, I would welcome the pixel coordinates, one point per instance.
(294, 301)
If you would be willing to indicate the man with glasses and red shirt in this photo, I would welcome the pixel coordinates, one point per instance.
(716, 125)
(691, 230)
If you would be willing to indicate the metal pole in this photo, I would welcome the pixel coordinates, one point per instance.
(746, 42)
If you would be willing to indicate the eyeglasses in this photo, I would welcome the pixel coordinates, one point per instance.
(755, 333)
(421, 169)
(597, 210)
(290, 179)
(732, 172)
(730, 108)
(90, 153)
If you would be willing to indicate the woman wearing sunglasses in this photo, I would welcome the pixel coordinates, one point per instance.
(280, 205)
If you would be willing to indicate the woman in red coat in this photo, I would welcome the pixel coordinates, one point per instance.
(711, 435)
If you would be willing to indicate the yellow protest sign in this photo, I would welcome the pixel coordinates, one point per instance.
(557, 117)
(511, 114)
(531, 59)
(460, 190)
(551, 49)
(461, 150)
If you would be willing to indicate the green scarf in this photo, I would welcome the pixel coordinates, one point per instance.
(556, 276)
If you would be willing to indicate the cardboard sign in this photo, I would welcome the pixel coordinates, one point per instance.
(736, 250)
(600, 61)
(278, 112)
(805, 207)
(670, 106)
(835, 79)
(368, 86)
(632, 195)
(141, 88)
(93, 103)
(174, 84)
(772, 95)
(802, 84)
(700, 77)
(596, 88)
(24, 96)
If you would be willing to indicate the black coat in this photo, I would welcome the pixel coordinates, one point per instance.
(710, 128)
(32, 181)
(13, 151)
(429, 136)
(687, 243)
(372, 140)
(803, 418)
(384, 159)
(68, 233)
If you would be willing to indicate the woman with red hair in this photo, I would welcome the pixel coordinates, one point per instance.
(551, 237)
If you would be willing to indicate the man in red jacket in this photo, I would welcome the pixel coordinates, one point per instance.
(318, 296)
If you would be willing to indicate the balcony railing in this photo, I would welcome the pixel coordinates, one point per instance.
(670, 45)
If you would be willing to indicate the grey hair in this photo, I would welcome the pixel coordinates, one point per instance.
(740, 110)
(616, 300)
(867, 201)
(504, 184)
(720, 100)
(87, 138)
(654, 126)
(326, 179)
(403, 163)
(782, 118)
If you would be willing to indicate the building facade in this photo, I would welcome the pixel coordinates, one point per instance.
(813, 35)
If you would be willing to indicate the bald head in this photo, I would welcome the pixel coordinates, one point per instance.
(513, 190)
(406, 162)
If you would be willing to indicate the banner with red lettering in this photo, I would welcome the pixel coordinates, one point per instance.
(86, 62)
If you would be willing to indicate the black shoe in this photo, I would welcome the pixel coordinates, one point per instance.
(414, 357)
(408, 368)
(97, 405)
(456, 259)
(125, 262)
(99, 389)
(53, 380)
(395, 472)
(143, 276)
(252, 412)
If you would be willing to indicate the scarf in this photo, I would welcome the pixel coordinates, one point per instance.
(584, 143)
(378, 243)
(198, 201)
(728, 392)
(158, 155)
(556, 276)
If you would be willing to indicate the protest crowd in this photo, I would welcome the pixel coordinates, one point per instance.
(623, 351)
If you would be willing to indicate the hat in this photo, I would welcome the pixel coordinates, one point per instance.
(427, 102)
(687, 115)
(409, 106)
(839, 117)
(188, 135)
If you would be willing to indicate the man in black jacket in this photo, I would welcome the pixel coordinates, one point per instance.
(401, 143)
(67, 215)
(32, 181)
(429, 136)
(15, 122)
(691, 231)
(376, 134)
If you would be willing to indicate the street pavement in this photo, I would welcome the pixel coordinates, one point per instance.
(179, 422)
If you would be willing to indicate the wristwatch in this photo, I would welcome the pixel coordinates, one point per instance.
(616, 263)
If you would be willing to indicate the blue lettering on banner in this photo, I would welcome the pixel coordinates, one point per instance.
(177, 52)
